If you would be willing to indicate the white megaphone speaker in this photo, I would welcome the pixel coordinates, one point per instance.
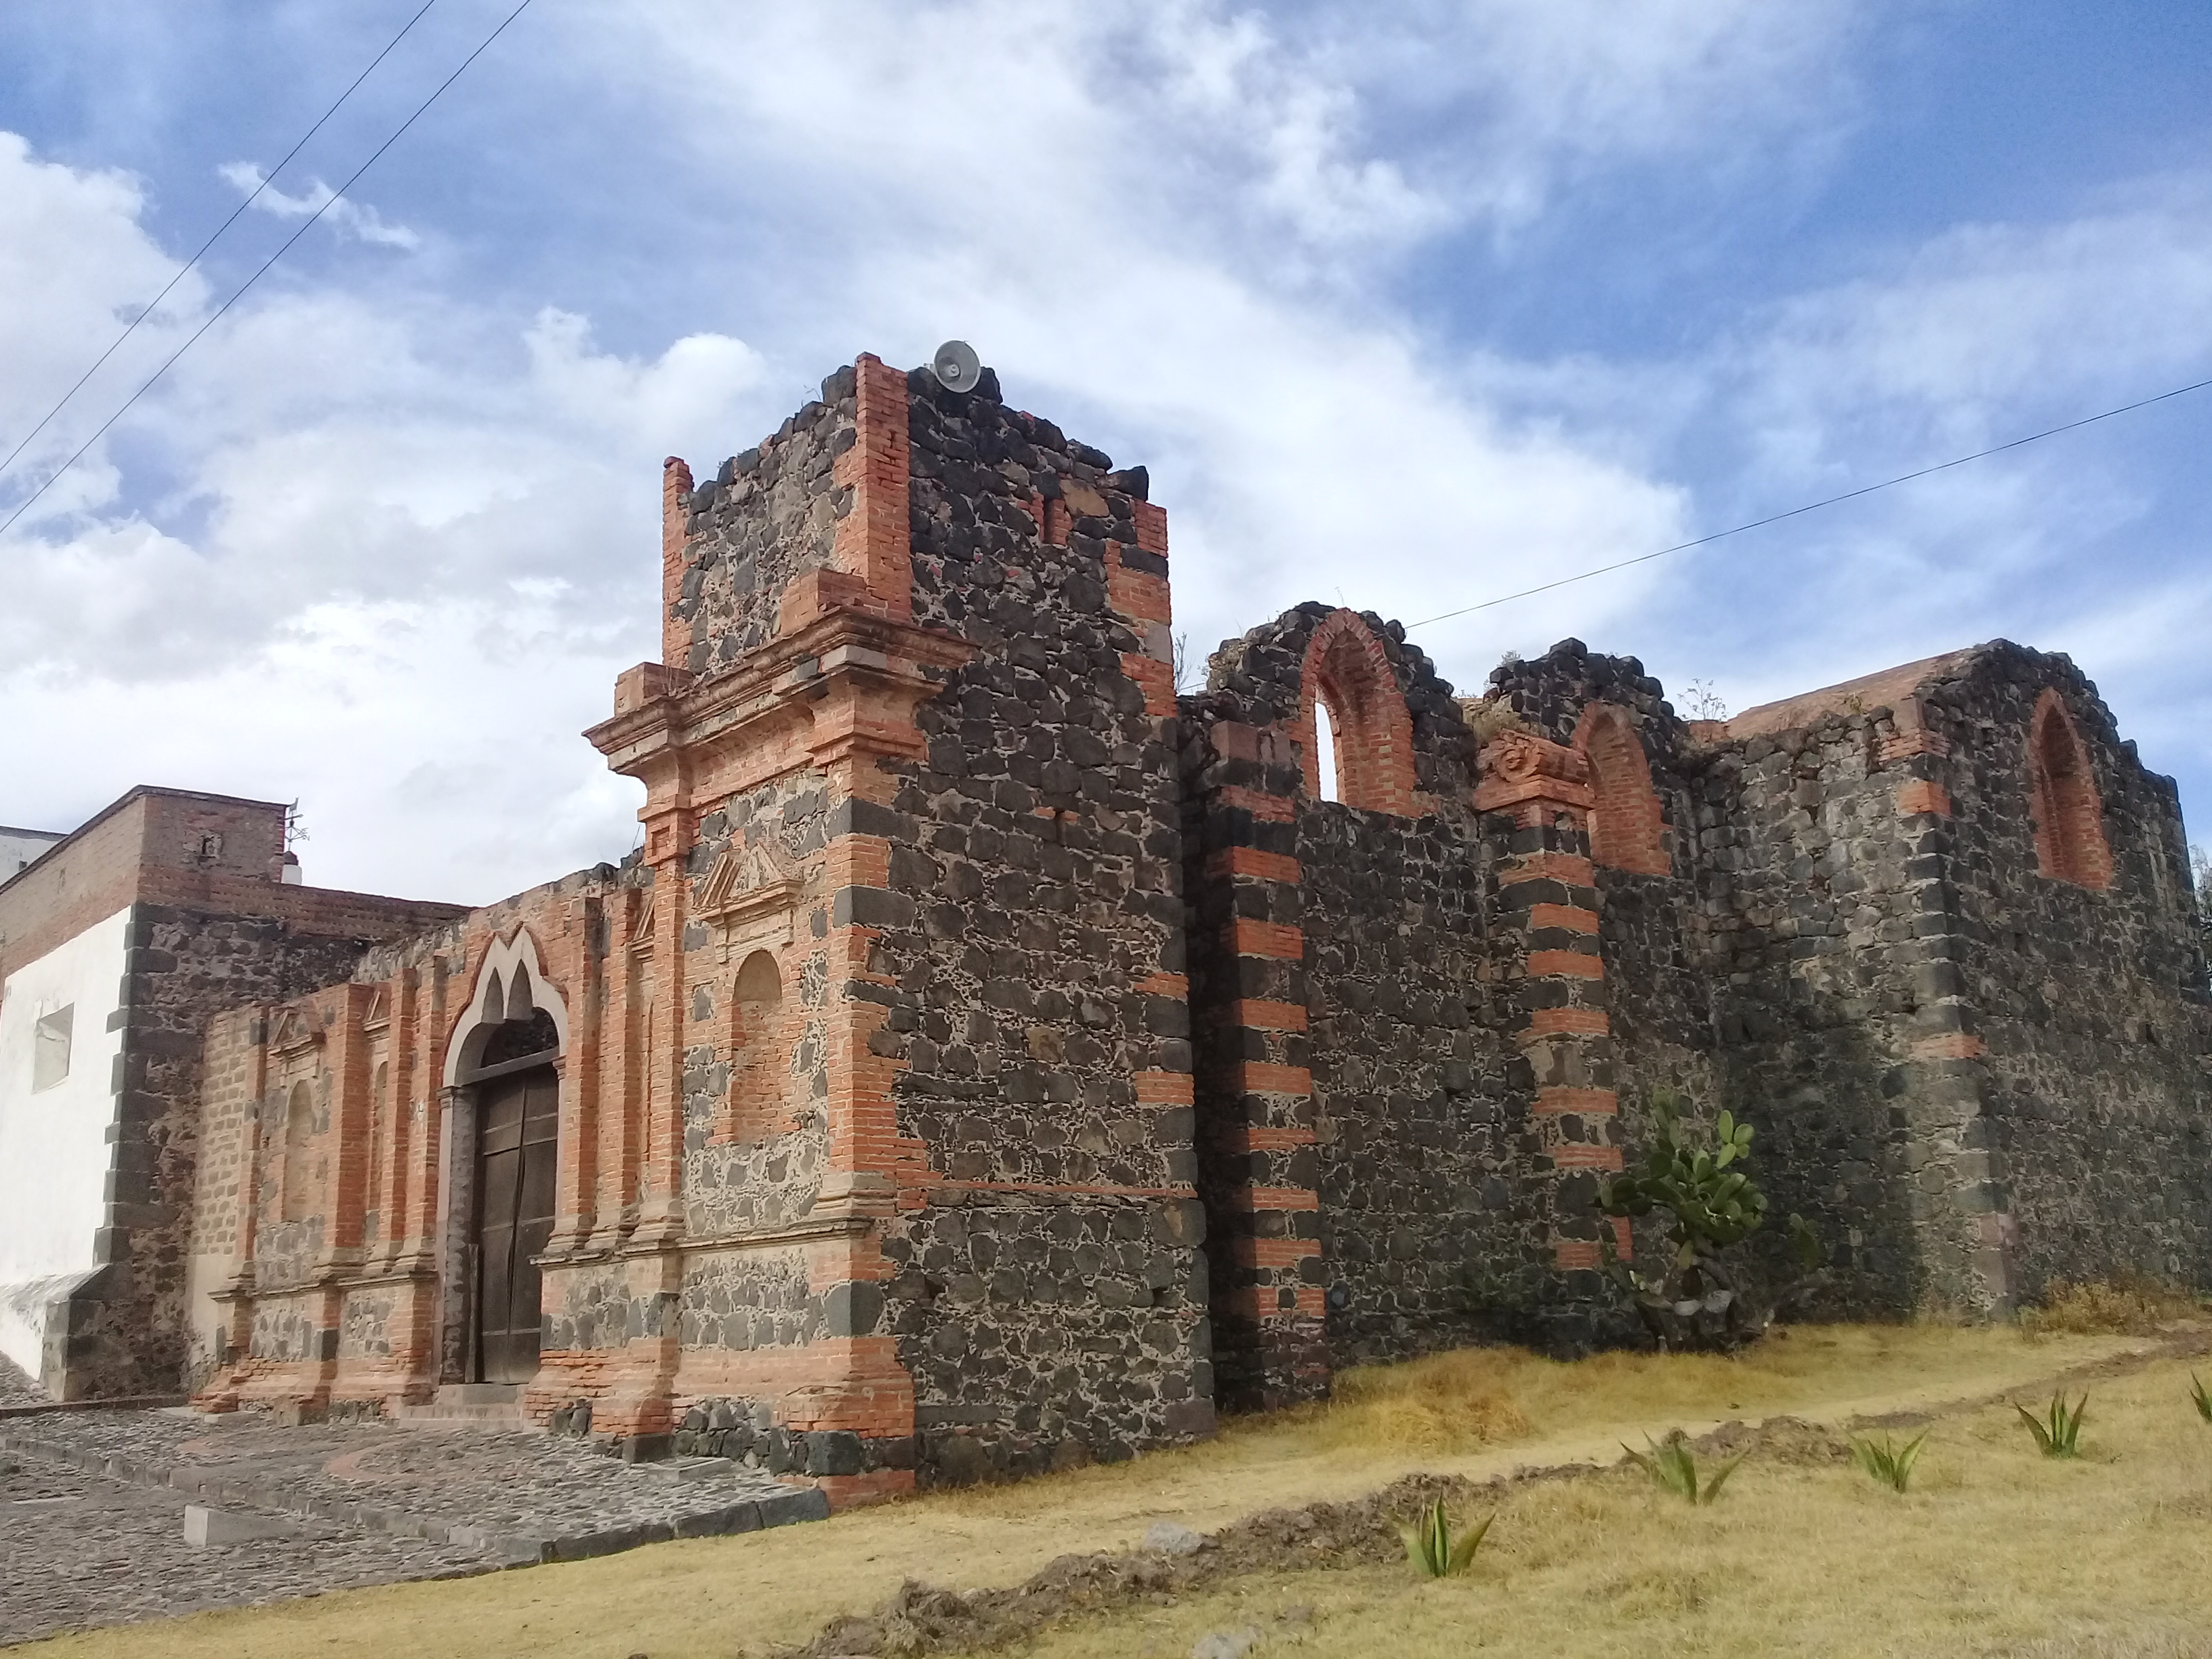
(957, 366)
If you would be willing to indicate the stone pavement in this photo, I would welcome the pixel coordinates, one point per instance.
(92, 1507)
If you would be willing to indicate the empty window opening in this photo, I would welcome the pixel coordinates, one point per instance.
(1325, 749)
(760, 1062)
(49, 1047)
(297, 1200)
(2069, 820)
(1355, 733)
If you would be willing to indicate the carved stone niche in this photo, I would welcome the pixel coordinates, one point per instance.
(750, 898)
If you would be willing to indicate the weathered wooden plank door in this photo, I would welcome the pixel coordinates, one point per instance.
(516, 1146)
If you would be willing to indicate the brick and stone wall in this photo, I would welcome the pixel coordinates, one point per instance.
(990, 1062)
(1046, 1293)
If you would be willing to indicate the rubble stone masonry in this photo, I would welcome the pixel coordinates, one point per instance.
(991, 1061)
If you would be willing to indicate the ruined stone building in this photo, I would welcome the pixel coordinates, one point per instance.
(992, 1059)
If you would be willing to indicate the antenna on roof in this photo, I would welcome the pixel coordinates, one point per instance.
(957, 366)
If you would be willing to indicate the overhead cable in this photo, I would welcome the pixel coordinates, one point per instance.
(336, 197)
(185, 269)
(1809, 506)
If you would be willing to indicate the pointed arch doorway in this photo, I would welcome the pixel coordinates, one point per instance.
(503, 1066)
(518, 1149)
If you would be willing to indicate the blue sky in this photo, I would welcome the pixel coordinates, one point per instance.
(1408, 306)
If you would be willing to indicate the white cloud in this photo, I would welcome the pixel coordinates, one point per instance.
(342, 214)
(383, 539)
(75, 268)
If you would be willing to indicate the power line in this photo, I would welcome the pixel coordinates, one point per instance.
(336, 197)
(1809, 506)
(268, 178)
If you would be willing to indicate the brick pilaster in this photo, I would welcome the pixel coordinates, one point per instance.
(1258, 1168)
(675, 491)
(1547, 915)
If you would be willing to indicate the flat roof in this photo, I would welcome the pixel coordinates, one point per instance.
(124, 799)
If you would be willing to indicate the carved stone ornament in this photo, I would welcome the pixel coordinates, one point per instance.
(751, 890)
(1520, 767)
(294, 1033)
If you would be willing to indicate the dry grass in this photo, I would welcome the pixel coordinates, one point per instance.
(2130, 1305)
(1996, 1551)
(1478, 1414)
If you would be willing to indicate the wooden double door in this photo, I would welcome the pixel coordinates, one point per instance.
(517, 1144)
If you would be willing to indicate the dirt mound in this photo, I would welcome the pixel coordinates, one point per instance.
(920, 1619)
(1776, 1440)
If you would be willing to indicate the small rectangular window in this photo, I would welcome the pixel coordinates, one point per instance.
(50, 1048)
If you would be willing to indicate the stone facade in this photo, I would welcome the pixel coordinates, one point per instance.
(991, 1061)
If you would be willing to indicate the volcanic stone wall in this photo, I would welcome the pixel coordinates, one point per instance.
(1424, 1221)
(2087, 1006)
(1656, 929)
(1049, 1299)
(131, 1326)
(1785, 969)
(767, 515)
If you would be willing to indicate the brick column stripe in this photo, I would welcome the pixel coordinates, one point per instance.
(1573, 918)
(1557, 1022)
(1262, 1138)
(1261, 1016)
(1256, 1076)
(1547, 896)
(1265, 938)
(1917, 795)
(1250, 861)
(1251, 1252)
(1565, 964)
(1601, 1103)
(874, 539)
(1277, 1198)
(1155, 678)
(1570, 868)
(1163, 1088)
(1259, 804)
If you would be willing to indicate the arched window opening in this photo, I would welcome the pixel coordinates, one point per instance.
(1626, 825)
(297, 1197)
(2069, 820)
(760, 1062)
(1355, 731)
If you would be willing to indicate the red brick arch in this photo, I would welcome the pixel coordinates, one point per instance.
(1346, 668)
(1625, 824)
(2069, 820)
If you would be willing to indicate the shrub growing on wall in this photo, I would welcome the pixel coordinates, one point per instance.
(1700, 1303)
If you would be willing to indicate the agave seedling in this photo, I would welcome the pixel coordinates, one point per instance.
(1675, 1466)
(2059, 1430)
(2203, 1400)
(1429, 1545)
(1889, 1463)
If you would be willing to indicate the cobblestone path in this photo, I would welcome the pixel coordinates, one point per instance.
(92, 1507)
